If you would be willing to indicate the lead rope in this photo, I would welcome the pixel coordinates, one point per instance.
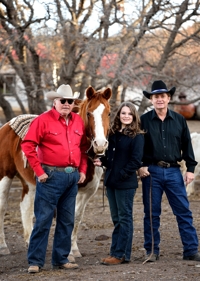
(104, 190)
(151, 221)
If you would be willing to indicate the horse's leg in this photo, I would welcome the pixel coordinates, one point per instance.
(81, 202)
(27, 212)
(190, 188)
(84, 195)
(5, 185)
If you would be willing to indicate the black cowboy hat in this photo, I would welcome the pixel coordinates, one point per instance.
(159, 87)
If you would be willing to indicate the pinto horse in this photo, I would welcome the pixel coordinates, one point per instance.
(95, 111)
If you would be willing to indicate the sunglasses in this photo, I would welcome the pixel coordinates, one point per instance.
(63, 101)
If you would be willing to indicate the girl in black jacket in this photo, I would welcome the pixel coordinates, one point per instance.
(123, 158)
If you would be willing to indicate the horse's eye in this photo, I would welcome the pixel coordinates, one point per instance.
(109, 114)
(88, 114)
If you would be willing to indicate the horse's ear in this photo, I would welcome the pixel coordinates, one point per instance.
(107, 93)
(76, 107)
(90, 92)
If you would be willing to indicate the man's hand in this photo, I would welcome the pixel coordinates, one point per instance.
(143, 172)
(188, 177)
(43, 177)
(82, 177)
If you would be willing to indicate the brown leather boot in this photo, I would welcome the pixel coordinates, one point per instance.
(102, 260)
(113, 261)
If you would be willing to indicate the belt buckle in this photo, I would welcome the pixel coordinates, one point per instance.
(69, 170)
(163, 164)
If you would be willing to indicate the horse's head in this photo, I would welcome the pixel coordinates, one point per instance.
(95, 111)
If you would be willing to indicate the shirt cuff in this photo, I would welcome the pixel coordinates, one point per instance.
(190, 169)
(39, 171)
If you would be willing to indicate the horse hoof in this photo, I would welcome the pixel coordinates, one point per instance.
(4, 251)
(76, 254)
(71, 258)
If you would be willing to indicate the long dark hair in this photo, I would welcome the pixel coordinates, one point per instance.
(132, 129)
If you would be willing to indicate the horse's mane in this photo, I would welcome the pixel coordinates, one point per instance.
(83, 111)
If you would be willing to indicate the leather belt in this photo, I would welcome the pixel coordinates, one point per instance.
(164, 164)
(68, 169)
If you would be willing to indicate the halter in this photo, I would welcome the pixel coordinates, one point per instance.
(90, 136)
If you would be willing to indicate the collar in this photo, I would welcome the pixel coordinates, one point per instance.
(169, 114)
(58, 116)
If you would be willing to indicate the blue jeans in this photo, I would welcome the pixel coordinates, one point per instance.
(58, 192)
(170, 181)
(121, 208)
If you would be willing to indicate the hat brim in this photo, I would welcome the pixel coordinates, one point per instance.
(148, 95)
(53, 95)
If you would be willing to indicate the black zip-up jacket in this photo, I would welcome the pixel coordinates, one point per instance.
(122, 159)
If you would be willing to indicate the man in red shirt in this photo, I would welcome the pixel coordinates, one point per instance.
(55, 146)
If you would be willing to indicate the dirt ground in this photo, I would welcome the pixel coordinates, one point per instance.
(94, 242)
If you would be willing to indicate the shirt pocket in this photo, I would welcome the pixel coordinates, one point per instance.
(54, 137)
(78, 136)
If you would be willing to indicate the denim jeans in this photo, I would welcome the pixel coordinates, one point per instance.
(170, 181)
(121, 209)
(58, 192)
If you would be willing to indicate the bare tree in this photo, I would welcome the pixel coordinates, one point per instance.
(106, 43)
(6, 107)
(153, 27)
(84, 45)
(172, 40)
(15, 19)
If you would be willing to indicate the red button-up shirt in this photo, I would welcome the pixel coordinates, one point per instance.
(51, 141)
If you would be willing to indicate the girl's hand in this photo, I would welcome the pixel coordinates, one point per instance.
(97, 162)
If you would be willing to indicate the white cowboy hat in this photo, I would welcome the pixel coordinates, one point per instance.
(64, 92)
